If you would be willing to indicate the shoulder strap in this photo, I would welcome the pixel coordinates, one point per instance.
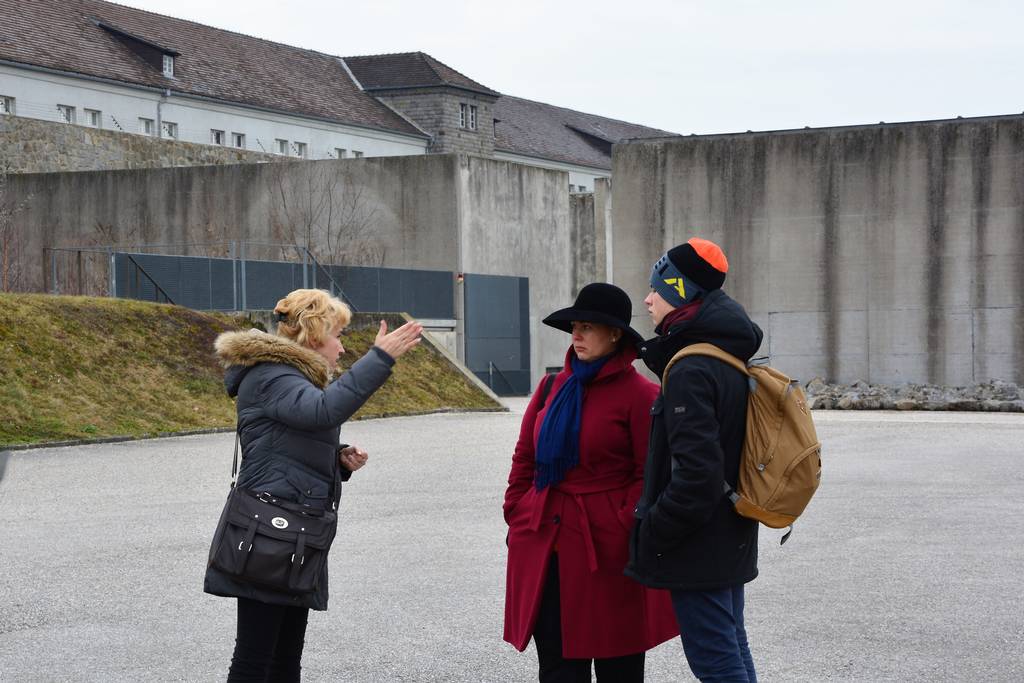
(703, 349)
(234, 462)
(546, 389)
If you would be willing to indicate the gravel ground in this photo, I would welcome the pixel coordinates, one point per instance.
(906, 566)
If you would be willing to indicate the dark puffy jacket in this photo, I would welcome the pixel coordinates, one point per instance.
(289, 419)
(687, 534)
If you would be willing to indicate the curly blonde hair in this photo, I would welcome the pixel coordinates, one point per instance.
(309, 315)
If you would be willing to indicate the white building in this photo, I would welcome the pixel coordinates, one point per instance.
(99, 64)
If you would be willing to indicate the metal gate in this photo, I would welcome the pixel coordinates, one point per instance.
(497, 331)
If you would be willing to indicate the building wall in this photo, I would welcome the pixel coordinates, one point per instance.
(438, 212)
(436, 110)
(891, 253)
(37, 95)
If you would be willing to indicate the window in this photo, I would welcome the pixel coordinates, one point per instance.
(94, 118)
(572, 188)
(169, 66)
(217, 137)
(169, 130)
(341, 153)
(357, 155)
(6, 105)
(583, 188)
(65, 113)
(146, 126)
(300, 149)
(238, 140)
(282, 146)
(472, 117)
(462, 115)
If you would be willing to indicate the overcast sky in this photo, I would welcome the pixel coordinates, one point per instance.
(686, 67)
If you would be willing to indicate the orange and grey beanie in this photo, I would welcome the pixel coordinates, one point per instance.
(684, 272)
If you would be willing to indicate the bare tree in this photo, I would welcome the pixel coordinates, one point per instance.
(313, 207)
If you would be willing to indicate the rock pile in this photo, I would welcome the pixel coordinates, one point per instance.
(991, 396)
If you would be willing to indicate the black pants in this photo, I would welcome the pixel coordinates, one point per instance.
(268, 647)
(547, 636)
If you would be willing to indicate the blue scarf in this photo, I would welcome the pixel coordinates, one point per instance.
(558, 446)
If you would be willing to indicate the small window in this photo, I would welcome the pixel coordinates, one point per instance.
(462, 115)
(282, 146)
(94, 118)
(583, 188)
(169, 66)
(217, 137)
(146, 126)
(6, 105)
(572, 188)
(169, 130)
(65, 113)
(238, 140)
(341, 153)
(472, 117)
(300, 149)
(357, 155)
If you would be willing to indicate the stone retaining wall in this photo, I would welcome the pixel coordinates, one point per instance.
(33, 146)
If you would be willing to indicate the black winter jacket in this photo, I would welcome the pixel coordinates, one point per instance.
(687, 535)
(289, 419)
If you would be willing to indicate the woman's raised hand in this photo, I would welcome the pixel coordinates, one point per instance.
(401, 340)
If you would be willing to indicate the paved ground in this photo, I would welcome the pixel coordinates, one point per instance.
(907, 566)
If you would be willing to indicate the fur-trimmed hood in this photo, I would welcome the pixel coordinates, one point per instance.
(239, 351)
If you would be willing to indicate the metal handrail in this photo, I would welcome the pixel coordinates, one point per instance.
(159, 290)
(333, 283)
(491, 367)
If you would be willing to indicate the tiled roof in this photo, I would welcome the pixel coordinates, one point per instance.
(543, 130)
(64, 35)
(409, 70)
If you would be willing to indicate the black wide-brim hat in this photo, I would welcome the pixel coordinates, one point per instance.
(598, 302)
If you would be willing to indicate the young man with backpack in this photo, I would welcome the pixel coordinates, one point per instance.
(688, 537)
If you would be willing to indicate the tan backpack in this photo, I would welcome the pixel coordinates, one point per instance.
(780, 467)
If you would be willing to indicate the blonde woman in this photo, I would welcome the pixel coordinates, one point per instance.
(289, 420)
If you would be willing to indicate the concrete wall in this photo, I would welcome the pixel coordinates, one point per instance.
(514, 220)
(37, 95)
(585, 177)
(587, 264)
(892, 253)
(603, 229)
(438, 212)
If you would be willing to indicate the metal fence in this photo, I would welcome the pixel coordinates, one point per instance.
(236, 276)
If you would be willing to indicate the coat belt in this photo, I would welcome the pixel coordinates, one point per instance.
(588, 538)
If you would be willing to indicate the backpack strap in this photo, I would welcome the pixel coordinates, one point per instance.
(704, 349)
(546, 389)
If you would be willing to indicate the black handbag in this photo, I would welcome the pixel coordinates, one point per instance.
(270, 542)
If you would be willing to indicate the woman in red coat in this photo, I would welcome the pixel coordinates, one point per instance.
(576, 476)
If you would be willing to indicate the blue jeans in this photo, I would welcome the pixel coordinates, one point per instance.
(714, 639)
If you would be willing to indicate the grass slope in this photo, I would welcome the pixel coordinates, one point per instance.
(79, 367)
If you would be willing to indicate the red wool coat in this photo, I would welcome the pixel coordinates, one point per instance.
(587, 518)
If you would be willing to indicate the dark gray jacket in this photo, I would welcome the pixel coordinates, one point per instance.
(289, 420)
